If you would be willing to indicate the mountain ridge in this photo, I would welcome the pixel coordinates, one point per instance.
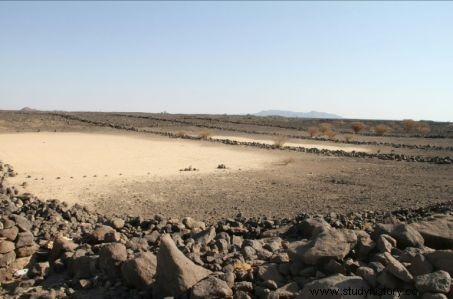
(288, 113)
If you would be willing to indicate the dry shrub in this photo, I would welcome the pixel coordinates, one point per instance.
(357, 127)
(312, 131)
(348, 137)
(324, 127)
(330, 133)
(181, 134)
(279, 141)
(409, 125)
(423, 128)
(204, 135)
(381, 129)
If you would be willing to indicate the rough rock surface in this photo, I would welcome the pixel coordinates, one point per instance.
(50, 250)
(336, 283)
(438, 233)
(175, 272)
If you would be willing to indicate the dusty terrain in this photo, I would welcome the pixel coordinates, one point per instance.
(126, 164)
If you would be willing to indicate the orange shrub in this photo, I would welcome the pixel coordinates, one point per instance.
(381, 129)
(357, 127)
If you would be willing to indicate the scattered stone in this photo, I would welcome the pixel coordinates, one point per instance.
(139, 272)
(441, 260)
(211, 287)
(407, 236)
(438, 233)
(270, 272)
(118, 223)
(436, 282)
(175, 272)
(397, 269)
(24, 239)
(337, 282)
(328, 244)
(9, 233)
(110, 258)
(6, 246)
(105, 234)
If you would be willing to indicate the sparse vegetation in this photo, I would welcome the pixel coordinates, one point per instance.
(381, 129)
(330, 133)
(181, 134)
(357, 127)
(409, 125)
(279, 141)
(324, 127)
(348, 137)
(204, 135)
(423, 128)
(313, 132)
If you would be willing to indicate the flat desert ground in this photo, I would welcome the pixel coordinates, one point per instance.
(118, 171)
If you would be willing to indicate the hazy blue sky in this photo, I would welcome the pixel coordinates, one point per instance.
(388, 60)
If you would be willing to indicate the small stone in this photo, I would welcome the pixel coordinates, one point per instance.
(407, 236)
(337, 282)
(22, 223)
(270, 272)
(368, 274)
(27, 250)
(153, 236)
(289, 290)
(436, 282)
(9, 233)
(211, 287)
(385, 243)
(241, 295)
(245, 286)
(328, 244)
(7, 258)
(24, 239)
(111, 256)
(175, 273)
(191, 223)
(419, 265)
(206, 236)
(397, 269)
(388, 280)
(105, 233)
(139, 272)
(118, 223)
(60, 246)
(441, 260)
(6, 246)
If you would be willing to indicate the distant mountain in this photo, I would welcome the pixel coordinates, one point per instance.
(311, 114)
(27, 109)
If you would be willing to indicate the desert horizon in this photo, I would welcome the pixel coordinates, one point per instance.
(226, 150)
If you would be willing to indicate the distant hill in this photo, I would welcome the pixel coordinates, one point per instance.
(27, 109)
(311, 114)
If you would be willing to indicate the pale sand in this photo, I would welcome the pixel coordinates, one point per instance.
(345, 148)
(103, 157)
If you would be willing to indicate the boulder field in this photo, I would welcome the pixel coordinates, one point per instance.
(51, 250)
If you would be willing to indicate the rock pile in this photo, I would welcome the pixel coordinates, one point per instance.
(50, 250)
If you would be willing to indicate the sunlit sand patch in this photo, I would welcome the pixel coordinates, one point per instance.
(346, 148)
(69, 166)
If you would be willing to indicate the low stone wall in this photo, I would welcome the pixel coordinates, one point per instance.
(325, 152)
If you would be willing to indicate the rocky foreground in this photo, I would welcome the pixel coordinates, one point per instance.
(50, 250)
